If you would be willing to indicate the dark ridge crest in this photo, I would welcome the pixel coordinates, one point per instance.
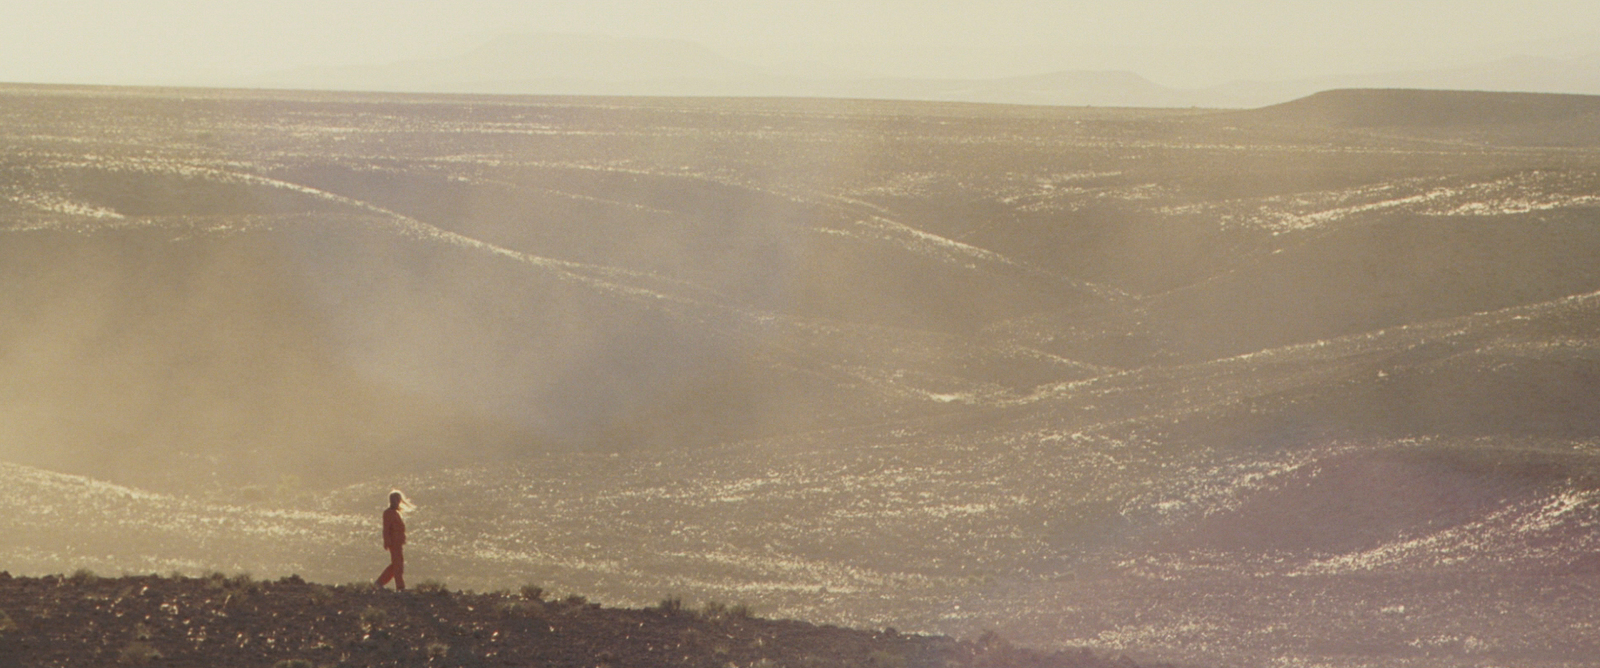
(1370, 108)
(218, 620)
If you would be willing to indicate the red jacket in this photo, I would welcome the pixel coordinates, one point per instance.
(394, 529)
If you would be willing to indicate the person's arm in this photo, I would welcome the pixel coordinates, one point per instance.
(389, 518)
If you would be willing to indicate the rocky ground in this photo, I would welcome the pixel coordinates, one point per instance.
(84, 620)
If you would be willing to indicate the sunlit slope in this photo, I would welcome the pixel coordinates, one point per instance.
(1170, 511)
(92, 524)
(336, 345)
(800, 253)
(1034, 224)
(1332, 263)
(376, 341)
(747, 199)
(1523, 371)
(1385, 501)
(1171, 519)
(297, 285)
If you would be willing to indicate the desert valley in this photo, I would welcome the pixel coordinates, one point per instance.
(1315, 384)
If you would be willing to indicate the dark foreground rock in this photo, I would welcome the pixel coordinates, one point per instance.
(85, 620)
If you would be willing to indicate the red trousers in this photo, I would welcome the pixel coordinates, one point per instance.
(396, 570)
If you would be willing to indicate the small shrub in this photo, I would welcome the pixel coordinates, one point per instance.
(576, 600)
(139, 653)
(216, 580)
(373, 617)
(995, 651)
(508, 607)
(432, 587)
(83, 575)
(5, 622)
(671, 605)
(236, 586)
(883, 659)
(252, 495)
(294, 663)
(741, 611)
(714, 610)
(533, 592)
(437, 650)
(143, 632)
(319, 595)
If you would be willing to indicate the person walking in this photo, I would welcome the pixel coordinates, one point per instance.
(394, 540)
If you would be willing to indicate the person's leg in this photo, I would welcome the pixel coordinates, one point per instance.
(397, 561)
(395, 571)
(387, 575)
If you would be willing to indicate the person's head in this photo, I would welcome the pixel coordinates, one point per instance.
(395, 499)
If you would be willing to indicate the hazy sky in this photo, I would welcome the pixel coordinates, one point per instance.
(1175, 42)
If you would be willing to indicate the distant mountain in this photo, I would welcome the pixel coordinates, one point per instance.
(1578, 75)
(592, 65)
(1431, 108)
(1076, 88)
(563, 64)
(543, 63)
(1531, 119)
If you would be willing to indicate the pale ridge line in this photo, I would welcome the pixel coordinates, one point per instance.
(567, 269)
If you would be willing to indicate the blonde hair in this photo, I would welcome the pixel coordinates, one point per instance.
(404, 505)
